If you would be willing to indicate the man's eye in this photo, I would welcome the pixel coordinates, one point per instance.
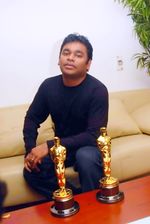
(79, 55)
(65, 53)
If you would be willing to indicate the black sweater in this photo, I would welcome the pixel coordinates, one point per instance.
(77, 112)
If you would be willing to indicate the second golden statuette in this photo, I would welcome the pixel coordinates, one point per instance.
(109, 186)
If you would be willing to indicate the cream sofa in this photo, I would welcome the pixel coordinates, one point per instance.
(128, 126)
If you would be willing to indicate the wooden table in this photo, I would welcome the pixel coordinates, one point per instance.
(136, 205)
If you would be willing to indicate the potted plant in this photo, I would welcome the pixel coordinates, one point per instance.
(139, 10)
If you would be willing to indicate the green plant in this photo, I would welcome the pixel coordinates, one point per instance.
(140, 13)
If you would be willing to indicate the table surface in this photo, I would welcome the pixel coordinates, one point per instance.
(136, 205)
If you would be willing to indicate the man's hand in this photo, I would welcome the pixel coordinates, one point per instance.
(35, 157)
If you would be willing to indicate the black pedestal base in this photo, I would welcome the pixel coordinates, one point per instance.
(65, 212)
(109, 199)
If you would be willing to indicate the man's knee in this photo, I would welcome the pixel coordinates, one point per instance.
(88, 155)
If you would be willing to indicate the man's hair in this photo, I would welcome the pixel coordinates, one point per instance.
(79, 38)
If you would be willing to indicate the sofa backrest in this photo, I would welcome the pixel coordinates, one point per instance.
(11, 125)
(132, 99)
(122, 121)
(129, 113)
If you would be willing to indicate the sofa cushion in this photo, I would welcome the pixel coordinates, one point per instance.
(142, 117)
(11, 172)
(120, 123)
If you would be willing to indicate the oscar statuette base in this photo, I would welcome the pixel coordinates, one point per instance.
(64, 205)
(109, 191)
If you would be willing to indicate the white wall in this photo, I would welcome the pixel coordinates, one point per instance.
(31, 32)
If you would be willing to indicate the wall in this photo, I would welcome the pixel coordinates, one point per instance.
(31, 33)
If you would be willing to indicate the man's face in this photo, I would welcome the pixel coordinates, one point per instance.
(73, 60)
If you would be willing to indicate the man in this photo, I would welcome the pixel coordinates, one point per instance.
(78, 105)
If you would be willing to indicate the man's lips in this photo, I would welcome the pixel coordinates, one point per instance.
(70, 66)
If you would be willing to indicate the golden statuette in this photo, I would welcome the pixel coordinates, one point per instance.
(58, 155)
(104, 144)
(64, 204)
(109, 186)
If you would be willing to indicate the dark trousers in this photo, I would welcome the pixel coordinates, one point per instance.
(86, 160)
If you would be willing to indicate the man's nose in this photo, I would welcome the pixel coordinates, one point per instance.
(71, 57)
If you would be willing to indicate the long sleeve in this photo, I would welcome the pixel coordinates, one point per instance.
(36, 114)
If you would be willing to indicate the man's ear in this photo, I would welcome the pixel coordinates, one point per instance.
(88, 65)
